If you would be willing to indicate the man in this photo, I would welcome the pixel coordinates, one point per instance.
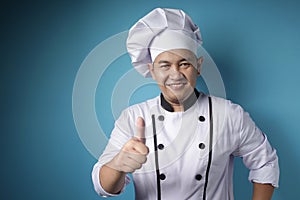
(181, 144)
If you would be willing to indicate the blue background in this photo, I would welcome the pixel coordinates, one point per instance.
(255, 44)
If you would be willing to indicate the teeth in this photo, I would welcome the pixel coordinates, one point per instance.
(175, 84)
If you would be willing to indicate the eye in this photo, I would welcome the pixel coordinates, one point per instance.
(165, 66)
(184, 65)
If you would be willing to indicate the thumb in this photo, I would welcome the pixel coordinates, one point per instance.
(140, 130)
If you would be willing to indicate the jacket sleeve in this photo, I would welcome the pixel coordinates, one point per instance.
(254, 148)
(119, 136)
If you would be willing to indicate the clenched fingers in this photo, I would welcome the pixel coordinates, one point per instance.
(136, 146)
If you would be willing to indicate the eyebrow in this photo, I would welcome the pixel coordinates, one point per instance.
(165, 61)
(182, 60)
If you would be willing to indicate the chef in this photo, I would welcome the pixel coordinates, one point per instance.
(180, 144)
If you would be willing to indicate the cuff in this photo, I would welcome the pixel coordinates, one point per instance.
(269, 174)
(97, 186)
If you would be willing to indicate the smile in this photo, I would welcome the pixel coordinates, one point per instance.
(170, 84)
(176, 86)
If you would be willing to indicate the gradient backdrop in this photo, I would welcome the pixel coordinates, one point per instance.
(255, 44)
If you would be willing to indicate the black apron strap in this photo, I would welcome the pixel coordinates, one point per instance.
(210, 146)
(156, 159)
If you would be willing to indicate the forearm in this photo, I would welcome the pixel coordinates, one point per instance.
(130, 158)
(262, 191)
(111, 180)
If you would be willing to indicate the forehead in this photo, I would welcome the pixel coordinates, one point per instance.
(176, 55)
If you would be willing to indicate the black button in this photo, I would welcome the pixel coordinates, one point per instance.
(201, 145)
(198, 177)
(201, 119)
(161, 118)
(162, 176)
(161, 146)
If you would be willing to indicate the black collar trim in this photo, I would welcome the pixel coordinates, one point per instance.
(189, 102)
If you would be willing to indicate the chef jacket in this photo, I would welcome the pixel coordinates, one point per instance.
(191, 153)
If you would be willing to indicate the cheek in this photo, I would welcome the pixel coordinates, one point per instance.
(192, 78)
(160, 78)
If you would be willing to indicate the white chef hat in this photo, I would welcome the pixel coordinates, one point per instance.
(161, 30)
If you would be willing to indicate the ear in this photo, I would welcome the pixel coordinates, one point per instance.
(151, 70)
(199, 65)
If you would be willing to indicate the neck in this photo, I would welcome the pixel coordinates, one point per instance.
(177, 107)
(180, 106)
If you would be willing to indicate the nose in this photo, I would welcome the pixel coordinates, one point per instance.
(175, 72)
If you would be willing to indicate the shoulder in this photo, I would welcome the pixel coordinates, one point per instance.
(231, 114)
(226, 105)
(227, 112)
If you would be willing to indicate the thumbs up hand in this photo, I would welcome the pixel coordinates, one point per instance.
(134, 153)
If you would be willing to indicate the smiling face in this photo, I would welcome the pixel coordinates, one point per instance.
(176, 73)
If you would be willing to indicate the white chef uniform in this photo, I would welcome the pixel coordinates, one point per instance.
(183, 150)
(191, 152)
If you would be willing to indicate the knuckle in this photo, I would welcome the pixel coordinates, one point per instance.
(147, 150)
(139, 166)
(144, 160)
(128, 144)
